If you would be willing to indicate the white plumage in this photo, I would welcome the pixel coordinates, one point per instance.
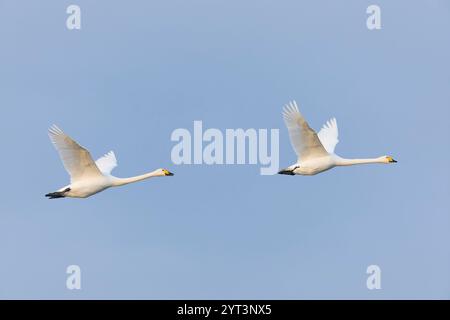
(315, 152)
(107, 163)
(86, 176)
(328, 135)
(76, 159)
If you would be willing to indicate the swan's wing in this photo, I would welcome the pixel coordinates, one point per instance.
(76, 159)
(328, 135)
(107, 163)
(304, 140)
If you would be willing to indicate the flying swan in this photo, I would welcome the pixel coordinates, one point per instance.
(86, 176)
(315, 152)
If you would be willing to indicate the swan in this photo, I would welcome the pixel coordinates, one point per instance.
(86, 176)
(315, 152)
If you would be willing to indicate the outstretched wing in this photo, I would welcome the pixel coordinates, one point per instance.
(107, 163)
(328, 135)
(304, 140)
(76, 159)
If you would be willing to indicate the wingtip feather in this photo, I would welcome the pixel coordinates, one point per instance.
(290, 108)
(55, 130)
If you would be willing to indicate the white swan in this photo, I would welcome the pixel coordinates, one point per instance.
(315, 152)
(86, 176)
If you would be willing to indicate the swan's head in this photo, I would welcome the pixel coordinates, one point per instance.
(165, 172)
(389, 159)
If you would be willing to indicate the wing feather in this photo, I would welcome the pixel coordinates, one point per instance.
(76, 159)
(328, 135)
(107, 163)
(304, 140)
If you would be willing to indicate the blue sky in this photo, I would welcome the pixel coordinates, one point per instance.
(137, 71)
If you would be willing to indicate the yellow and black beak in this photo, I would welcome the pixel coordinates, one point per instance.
(392, 160)
(167, 172)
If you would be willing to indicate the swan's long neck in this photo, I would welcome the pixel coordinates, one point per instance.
(123, 181)
(350, 162)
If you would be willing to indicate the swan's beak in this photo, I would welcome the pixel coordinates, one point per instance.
(169, 173)
(391, 160)
(287, 172)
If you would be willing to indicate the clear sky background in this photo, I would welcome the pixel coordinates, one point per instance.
(137, 70)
